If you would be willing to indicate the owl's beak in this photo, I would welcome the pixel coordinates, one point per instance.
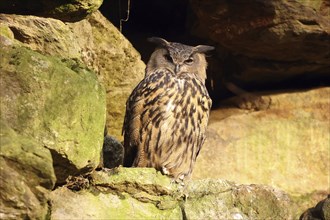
(177, 68)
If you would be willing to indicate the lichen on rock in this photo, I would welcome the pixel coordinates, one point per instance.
(70, 11)
(24, 195)
(93, 41)
(131, 193)
(58, 102)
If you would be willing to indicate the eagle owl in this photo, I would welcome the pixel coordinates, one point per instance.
(167, 112)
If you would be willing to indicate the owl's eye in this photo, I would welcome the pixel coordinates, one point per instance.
(168, 58)
(189, 61)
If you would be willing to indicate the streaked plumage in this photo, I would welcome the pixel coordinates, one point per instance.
(167, 113)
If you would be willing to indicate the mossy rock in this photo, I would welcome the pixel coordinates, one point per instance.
(144, 193)
(95, 42)
(58, 102)
(26, 176)
(71, 11)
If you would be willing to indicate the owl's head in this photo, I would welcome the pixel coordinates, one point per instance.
(178, 58)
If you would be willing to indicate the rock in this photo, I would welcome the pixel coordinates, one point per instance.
(96, 205)
(320, 211)
(289, 140)
(147, 179)
(93, 41)
(120, 69)
(45, 35)
(58, 102)
(130, 193)
(112, 153)
(303, 203)
(219, 199)
(71, 11)
(326, 208)
(119, 194)
(26, 176)
(267, 42)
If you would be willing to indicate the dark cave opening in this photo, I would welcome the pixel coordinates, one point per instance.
(148, 18)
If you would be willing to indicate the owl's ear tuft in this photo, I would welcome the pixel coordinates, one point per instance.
(159, 41)
(203, 48)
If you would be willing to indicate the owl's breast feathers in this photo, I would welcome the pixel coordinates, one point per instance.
(165, 122)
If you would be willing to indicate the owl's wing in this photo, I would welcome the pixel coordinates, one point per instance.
(137, 111)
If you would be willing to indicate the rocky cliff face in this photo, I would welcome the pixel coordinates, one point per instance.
(54, 101)
(27, 176)
(286, 145)
(291, 136)
(65, 75)
(95, 42)
(267, 42)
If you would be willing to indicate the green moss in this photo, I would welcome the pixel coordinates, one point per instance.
(74, 10)
(22, 195)
(5, 31)
(143, 210)
(135, 180)
(28, 155)
(106, 206)
(133, 193)
(66, 8)
(58, 102)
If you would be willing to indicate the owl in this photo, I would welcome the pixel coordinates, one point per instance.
(167, 112)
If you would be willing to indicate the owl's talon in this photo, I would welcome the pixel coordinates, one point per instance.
(165, 171)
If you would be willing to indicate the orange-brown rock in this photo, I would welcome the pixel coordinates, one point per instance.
(267, 42)
(286, 145)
